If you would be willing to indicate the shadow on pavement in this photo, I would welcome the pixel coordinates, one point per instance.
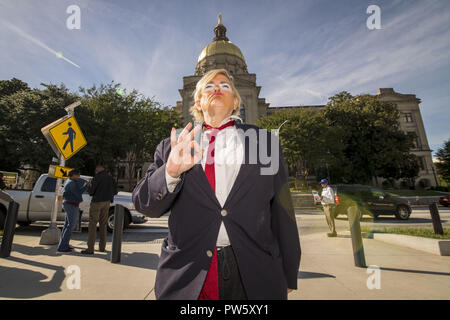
(313, 275)
(416, 271)
(140, 260)
(35, 251)
(133, 234)
(393, 220)
(24, 284)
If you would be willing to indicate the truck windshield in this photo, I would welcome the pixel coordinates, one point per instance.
(49, 185)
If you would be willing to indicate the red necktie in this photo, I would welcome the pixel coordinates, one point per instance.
(210, 289)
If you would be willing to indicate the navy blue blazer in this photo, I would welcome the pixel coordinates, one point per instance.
(260, 223)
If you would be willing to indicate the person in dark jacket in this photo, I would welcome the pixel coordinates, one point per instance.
(232, 226)
(72, 196)
(102, 190)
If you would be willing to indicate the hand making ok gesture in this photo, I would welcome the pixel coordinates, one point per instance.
(180, 157)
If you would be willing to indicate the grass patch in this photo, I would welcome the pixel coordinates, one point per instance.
(413, 193)
(417, 232)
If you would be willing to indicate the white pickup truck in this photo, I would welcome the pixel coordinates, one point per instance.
(37, 204)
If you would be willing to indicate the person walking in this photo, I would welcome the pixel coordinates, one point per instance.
(327, 201)
(72, 197)
(102, 190)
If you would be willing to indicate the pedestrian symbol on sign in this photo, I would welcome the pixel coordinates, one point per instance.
(71, 136)
(65, 136)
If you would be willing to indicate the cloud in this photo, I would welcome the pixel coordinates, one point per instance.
(411, 41)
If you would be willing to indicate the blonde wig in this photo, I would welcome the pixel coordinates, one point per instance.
(197, 94)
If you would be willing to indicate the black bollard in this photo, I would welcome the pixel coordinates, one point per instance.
(119, 211)
(9, 229)
(436, 219)
(354, 214)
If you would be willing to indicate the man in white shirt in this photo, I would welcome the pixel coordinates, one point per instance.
(327, 200)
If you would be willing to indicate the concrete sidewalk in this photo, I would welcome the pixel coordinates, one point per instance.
(326, 271)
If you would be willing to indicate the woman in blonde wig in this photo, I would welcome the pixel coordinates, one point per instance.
(232, 230)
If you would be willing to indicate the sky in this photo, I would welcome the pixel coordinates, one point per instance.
(302, 51)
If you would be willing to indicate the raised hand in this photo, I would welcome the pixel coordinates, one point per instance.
(180, 157)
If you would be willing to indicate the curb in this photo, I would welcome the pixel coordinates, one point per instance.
(347, 234)
(440, 247)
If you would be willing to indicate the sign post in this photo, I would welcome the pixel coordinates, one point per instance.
(65, 137)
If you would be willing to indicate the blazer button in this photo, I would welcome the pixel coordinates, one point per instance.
(209, 253)
(223, 212)
(159, 197)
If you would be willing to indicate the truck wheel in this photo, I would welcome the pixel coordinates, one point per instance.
(110, 223)
(2, 218)
(402, 212)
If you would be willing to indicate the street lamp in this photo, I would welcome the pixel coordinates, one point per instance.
(277, 131)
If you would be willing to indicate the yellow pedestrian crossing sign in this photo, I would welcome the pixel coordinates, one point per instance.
(59, 172)
(65, 136)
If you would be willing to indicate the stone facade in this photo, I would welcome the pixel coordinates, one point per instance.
(411, 121)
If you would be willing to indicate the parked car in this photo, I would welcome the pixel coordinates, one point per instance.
(37, 204)
(444, 201)
(372, 201)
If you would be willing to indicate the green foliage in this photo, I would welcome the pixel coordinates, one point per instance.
(352, 140)
(374, 144)
(22, 115)
(307, 140)
(117, 127)
(443, 166)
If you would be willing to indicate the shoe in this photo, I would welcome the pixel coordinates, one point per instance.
(332, 234)
(87, 252)
(102, 250)
(66, 250)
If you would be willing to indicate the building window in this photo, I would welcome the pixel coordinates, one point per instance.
(415, 139)
(242, 112)
(407, 117)
(422, 163)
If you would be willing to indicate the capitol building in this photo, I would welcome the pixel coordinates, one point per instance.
(222, 53)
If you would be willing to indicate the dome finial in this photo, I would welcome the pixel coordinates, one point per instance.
(220, 30)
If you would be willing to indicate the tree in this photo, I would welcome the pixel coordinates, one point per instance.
(375, 146)
(118, 127)
(443, 165)
(127, 127)
(308, 143)
(23, 113)
(8, 87)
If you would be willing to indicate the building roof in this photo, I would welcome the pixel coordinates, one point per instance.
(220, 43)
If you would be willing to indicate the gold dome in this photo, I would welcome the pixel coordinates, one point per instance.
(220, 46)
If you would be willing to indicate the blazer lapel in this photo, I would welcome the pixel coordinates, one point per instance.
(199, 175)
(241, 183)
